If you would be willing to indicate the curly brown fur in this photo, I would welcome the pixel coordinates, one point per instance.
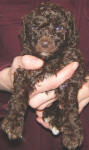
(49, 33)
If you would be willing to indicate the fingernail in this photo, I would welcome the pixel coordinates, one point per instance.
(75, 65)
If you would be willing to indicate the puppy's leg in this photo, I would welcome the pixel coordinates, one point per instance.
(63, 116)
(72, 134)
(53, 116)
(13, 123)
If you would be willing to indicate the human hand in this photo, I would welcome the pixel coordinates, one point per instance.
(39, 100)
(30, 63)
(83, 95)
(7, 75)
(83, 98)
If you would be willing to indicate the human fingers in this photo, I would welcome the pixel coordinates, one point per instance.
(39, 113)
(54, 81)
(42, 99)
(46, 104)
(42, 122)
(27, 62)
(31, 62)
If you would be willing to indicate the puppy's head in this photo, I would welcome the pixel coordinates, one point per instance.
(47, 31)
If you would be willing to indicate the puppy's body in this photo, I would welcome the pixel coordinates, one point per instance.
(49, 33)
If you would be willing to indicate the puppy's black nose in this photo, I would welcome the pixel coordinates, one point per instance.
(44, 44)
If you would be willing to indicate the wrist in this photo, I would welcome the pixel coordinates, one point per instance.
(5, 80)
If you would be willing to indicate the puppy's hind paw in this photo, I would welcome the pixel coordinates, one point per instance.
(72, 143)
(54, 129)
(12, 128)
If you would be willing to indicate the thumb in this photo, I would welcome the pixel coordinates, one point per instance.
(27, 62)
(31, 62)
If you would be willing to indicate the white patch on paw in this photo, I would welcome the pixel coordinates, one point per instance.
(47, 120)
(55, 131)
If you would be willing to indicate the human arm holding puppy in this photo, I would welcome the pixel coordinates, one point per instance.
(39, 100)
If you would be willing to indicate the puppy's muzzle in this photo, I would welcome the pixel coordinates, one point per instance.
(45, 45)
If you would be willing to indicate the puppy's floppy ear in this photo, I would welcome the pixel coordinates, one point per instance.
(73, 34)
(23, 37)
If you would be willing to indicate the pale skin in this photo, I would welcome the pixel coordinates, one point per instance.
(38, 100)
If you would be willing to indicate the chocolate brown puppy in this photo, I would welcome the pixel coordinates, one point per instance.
(49, 33)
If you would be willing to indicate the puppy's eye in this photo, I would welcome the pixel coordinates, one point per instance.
(59, 28)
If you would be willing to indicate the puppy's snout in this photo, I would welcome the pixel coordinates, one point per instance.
(44, 44)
